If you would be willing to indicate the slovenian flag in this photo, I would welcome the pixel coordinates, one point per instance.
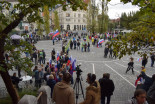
(140, 79)
(69, 61)
(139, 59)
(101, 41)
(51, 33)
(55, 34)
(108, 35)
(50, 62)
(58, 57)
(56, 68)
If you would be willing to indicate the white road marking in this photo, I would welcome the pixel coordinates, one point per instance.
(93, 69)
(126, 67)
(120, 76)
(97, 61)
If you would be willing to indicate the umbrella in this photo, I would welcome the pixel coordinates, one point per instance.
(16, 37)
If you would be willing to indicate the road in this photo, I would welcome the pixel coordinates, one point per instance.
(94, 62)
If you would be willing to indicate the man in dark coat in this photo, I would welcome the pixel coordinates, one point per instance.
(71, 44)
(106, 50)
(15, 80)
(152, 59)
(107, 88)
(51, 83)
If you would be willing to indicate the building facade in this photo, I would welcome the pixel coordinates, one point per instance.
(72, 20)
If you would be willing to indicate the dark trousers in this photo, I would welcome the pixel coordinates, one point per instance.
(40, 60)
(152, 63)
(43, 60)
(103, 99)
(130, 67)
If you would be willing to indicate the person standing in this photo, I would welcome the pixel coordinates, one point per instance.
(88, 47)
(152, 59)
(44, 56)
(144, 60)
(40, 57)
(15, 80)
(63, 93)
(92, 91)
(38, 78)
(106, 50)
(51, 83)
(78, 45)
(130, 66)
(74, 44)
(107, 88)
(71, 44)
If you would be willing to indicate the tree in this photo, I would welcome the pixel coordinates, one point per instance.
(56, 21)
(46, 20)
(104, 18)
(92, 13)
(39, 26)
(143, 31)
(25, 9)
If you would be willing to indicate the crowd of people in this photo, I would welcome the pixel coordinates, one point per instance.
(58, 75)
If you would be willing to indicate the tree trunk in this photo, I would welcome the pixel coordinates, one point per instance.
(10, 88)
(5, 75)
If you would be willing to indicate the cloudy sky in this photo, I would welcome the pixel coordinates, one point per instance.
(116, 10)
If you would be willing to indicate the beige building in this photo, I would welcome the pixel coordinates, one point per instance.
(72, 20)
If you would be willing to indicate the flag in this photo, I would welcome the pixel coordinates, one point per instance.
(101, 41)
(67, 46)
(139, 59)
(51, 33)
(140, 79)
(50, 62)
(73, 64)
(58, 57)
(55, 34)
(69, 61)
(56, 68)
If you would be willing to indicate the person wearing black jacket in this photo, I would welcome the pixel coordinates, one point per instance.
(107, 88)
(44, 56)
(130, 65)
(15, 80)
(152, 59)
(71, 44)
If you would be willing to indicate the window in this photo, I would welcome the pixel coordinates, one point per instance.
(84, 20)
(78, 20)
(84, 15)
(74, 20)
(79, 15)
(67, 15)
(74, 14)
(67, 19)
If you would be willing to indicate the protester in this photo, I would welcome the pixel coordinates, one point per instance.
(148, 81)
(38, 77)
(130, 65)
(40, 57)
(144, 61)
(152, 59)
(106, 50)
(88, 47)
(110, 51)
(44, 56)
(71, 44)
(107, 88)
(143, 69)
(15, 80)
(51, 83)
(63, 93)
(139, 97)
(92, 91)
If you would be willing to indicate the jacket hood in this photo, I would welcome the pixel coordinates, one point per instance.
(62, 85)
(94, 88)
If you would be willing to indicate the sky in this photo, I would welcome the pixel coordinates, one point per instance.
(115, 11)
